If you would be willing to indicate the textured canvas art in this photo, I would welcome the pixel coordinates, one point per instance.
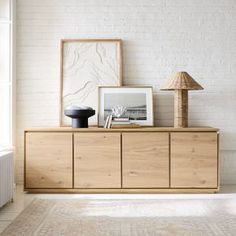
(87, 64)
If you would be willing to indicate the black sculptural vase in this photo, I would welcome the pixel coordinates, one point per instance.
(79, 116)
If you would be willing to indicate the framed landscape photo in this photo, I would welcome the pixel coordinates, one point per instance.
(134, 104)
(85, 65)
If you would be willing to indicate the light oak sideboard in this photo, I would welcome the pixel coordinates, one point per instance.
(142, 160)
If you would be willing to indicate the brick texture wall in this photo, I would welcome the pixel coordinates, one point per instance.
(160, 37)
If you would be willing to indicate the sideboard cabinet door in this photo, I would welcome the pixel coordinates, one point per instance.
(145, 160)
(48, 160)
(194, 160)
(97, 160)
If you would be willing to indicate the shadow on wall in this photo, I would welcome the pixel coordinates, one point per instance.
(163, 103)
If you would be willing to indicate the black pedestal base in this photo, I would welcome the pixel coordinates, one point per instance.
(79, 117)
(80, 123)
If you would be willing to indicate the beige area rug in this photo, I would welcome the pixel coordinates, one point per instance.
(128, 217)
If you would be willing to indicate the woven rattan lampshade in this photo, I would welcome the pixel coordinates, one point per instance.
(181, 82)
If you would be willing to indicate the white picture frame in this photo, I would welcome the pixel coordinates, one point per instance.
(85, 65)
(137, 100)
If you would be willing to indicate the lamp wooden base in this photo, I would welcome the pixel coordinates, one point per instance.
(181, 108)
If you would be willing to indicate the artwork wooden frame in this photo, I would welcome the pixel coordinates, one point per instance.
(107, 53)
(125, 90)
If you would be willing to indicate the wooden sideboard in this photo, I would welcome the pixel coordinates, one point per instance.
(143, 160)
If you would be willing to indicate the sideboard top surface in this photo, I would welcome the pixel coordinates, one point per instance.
(142, 129)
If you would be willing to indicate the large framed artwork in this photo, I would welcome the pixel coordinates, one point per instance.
(134, 104)
(85, 65)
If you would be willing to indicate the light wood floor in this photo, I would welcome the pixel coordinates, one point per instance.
(10, 211)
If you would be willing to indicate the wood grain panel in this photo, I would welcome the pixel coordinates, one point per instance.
(97, 160)
(48, 161)
(194, 160)
(145, 160)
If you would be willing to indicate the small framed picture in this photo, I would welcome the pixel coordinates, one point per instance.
(132, 105)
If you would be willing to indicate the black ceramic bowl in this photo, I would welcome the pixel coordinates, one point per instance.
(79, 117)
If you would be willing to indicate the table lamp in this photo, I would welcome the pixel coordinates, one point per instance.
(181, 82)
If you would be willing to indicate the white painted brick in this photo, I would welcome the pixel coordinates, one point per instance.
(160, 37)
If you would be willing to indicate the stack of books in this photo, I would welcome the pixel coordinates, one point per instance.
(119, 123)
(107, 124)
(123, 122)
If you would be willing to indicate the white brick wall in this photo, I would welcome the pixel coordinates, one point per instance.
(160, 37)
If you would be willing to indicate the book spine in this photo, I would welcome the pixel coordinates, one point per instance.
(121, 119)
(121, 122)
(109, 122)
(106, 122)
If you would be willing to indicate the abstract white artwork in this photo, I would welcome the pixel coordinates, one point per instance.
(85, 65)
